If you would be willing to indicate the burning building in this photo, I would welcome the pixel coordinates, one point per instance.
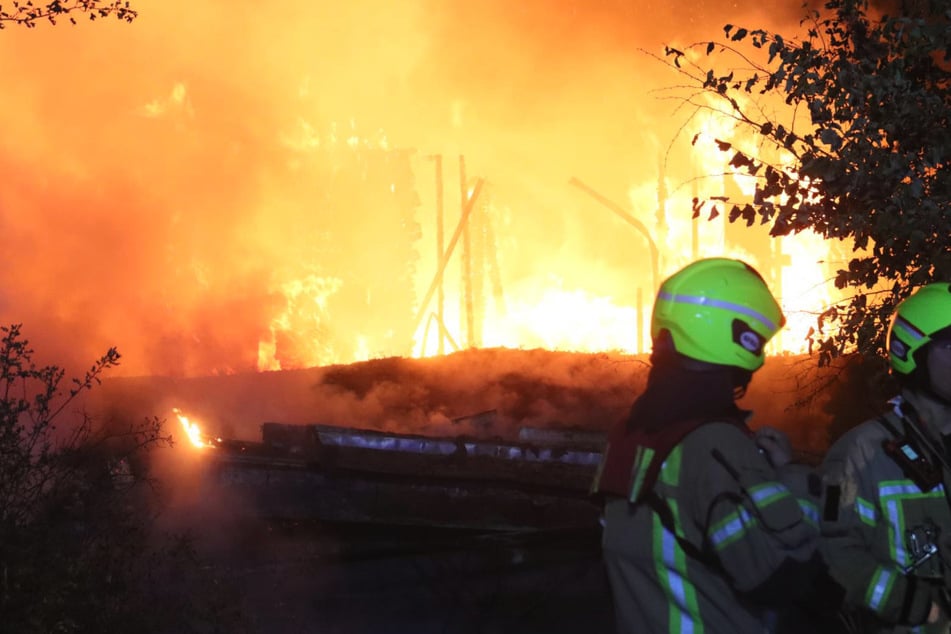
(260, 199)
(285, 199)
(376, 250)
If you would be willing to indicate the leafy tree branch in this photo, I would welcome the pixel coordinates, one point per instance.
(852, 125)
(72, 521)
(29, 14)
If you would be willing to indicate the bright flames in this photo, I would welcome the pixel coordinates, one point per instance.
(195, 436)
(573, 303)
(296, 199)
(481, 308)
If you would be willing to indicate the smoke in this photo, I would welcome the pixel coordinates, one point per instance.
(178, 187)
(487, 393)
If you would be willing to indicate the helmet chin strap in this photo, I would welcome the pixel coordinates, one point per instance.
(664, 351)
(740, 377)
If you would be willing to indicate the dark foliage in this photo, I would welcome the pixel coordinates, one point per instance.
(852, 121)
(78, 552)
(29, 15)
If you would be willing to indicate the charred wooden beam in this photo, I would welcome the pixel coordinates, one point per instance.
(352, 475)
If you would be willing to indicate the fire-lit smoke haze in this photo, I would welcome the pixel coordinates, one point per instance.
(224, 187)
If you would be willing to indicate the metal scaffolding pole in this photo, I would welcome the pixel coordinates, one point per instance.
(631, 220)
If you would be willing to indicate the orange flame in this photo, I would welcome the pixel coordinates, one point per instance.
(566, 301)
(193, 431)
(276, 212)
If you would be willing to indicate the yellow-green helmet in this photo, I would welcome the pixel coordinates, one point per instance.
(915, 321)
(718, 310)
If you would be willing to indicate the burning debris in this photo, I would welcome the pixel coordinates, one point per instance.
(193, 432)
(336, 474)
(375, 441)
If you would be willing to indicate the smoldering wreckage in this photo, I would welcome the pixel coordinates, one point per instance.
(445, 521)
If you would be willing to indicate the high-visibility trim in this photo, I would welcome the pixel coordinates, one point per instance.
(670, 562)
(731, 528)
(897, 488)
(690, 592)
(907, 489)
(896, 531)
(642, 460)
(809, 511)
(700, 300)
(879, 588)
(768, 492)
(908, 328)
(865, 511)
(891, 494)
(670, 470)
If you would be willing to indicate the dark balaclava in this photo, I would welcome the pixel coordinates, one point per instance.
(680, 388)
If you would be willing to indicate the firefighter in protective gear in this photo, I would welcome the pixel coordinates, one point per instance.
(700, 532)
(886, 521)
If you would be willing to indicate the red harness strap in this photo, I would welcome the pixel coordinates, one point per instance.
(635, 453)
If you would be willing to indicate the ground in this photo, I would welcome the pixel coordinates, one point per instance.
(297, 578)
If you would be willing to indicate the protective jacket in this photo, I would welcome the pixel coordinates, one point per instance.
(882, 516)
(708, 544)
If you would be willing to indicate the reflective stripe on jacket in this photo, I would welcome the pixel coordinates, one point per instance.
(732, 507)
(874, 519)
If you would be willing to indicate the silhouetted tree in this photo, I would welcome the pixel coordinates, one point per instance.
(79, 551)
(851, 121)
(28, 14)
(67, 527)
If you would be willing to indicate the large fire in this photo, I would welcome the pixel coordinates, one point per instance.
(284, 199)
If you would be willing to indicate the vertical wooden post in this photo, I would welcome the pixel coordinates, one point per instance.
(440, 241)
(466, 257)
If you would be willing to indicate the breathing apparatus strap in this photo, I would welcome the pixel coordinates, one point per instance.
(663, 511)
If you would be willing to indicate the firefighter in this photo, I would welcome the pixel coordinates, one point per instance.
(886, 520)
(700, 533)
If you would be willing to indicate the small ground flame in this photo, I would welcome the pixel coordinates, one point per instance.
(193, 431)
